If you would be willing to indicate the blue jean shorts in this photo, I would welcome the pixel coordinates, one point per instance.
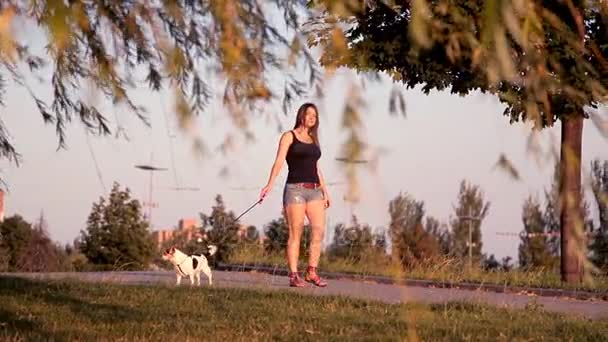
(297, 193)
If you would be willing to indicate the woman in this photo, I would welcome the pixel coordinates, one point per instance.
(304, 193)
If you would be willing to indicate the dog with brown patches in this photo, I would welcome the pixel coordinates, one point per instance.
(190, 265)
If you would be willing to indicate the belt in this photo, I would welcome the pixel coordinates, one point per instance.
(309, 185)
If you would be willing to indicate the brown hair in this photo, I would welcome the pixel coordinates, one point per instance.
(314, 131)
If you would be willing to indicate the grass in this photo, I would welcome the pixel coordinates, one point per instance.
(447, 270)
(67, 310)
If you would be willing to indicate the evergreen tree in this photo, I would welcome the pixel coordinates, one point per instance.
(352, 242)
(411, 243)
(380, 241)
(490, 263)
(117, 236)
(469, 214)
(440, 232)
(252, 235)
(15, 236)
(599, 244)
(221, 229)
(534, 249)
(4, 258)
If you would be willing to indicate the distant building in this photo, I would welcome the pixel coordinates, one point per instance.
(187, 227)
(160, 236)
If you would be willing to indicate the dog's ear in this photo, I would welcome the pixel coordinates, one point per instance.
(172, 250)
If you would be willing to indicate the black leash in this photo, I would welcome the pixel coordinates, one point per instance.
(246, 211)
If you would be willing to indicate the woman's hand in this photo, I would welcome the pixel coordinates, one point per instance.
(264, 192)
(326, 199)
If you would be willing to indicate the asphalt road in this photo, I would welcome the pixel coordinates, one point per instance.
(593, 309)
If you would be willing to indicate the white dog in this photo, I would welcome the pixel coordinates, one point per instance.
(189, 265)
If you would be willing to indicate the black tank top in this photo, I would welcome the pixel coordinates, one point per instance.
(302, 161)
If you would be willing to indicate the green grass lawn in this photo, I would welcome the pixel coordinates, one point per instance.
(82, 311)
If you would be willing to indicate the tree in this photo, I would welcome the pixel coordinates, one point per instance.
(4, 259)
(552, 213)
(277, 234)
(380, 242)
(16, 234)
(351, 242)
(221, 229)
(506, 264)
(490, 263)
(545, 61)
(599, 184)
(252, 235)
(466, 225)
(249, 243)
(41, 254)
(191, 45)
(440, 232)
(116, 235)
(410, 242)
(534, 249)
(28, 248)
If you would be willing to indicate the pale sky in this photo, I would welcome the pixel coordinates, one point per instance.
(444, 139)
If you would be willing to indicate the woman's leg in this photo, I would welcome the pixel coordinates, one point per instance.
(315, 210)
(295, 220)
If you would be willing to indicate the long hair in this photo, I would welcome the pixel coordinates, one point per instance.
(313, 131)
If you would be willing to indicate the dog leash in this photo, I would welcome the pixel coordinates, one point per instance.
(246, 211)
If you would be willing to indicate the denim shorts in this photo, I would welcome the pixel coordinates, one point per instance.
(296, 193)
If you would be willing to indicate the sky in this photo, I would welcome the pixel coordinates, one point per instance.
(442, 140)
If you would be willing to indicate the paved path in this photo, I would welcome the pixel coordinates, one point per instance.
(382, 292)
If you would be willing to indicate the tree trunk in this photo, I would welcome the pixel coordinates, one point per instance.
(571, 221)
